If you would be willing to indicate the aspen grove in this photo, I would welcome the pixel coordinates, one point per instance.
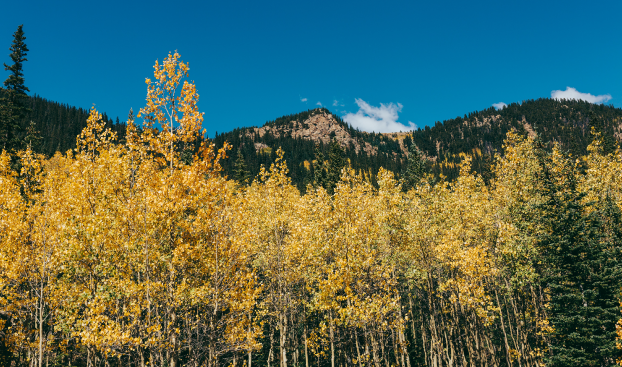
(142, 253)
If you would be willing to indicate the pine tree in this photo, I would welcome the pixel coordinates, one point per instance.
(336, 162)
(608, 142)
(415, 168)
(607, 280)
(581, 279)
(13, 107)
(33, 137)
(319, 168)
(240, 171)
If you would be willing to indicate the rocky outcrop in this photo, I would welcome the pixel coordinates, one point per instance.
(319, 127)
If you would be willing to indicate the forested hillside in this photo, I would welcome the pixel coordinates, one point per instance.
(366, 152)
(57, 124)
(481, 134)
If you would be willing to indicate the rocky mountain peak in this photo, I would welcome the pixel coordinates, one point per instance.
(320, 126)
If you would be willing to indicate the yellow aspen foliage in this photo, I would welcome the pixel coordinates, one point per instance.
(171, 116)
(603, 175)
(270, 215)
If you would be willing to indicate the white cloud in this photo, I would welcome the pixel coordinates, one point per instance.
(571, 93)
(381, 119)
(499, 106)
(303, 99)
(319, 104)
(336, 103)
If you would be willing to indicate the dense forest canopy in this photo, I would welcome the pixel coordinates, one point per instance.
(58, 124)
(481, 134)
(139, 248)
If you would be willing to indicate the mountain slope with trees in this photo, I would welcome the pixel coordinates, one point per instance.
(56, 124)
(302, 137)
(479, 134)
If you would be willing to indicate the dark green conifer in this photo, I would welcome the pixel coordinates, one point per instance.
(608, 142)
(33, 137)
(319, 168)
(581, 279)
(240, 171)
(607, 280)
(336, 162)
(415, 168)
(13, 107)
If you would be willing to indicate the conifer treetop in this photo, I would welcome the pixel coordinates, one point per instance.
(18, 49)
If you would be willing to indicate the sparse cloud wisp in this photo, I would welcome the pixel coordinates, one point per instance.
(319, 104)
(303, 99)
(377, 119)
(572, 93)
(499, 106)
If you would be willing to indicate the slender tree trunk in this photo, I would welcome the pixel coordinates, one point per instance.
(271, 343)
(41, 326)
(174, 341)
(332, 342)
(283, 339)
(250, 353)
(358, 353)
(306, 348)
(505, 336)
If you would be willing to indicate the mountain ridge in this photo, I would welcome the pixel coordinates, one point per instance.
(479, 133)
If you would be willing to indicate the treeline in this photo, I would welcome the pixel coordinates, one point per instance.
(479, 134)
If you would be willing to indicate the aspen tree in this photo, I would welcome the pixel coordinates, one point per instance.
(272, 205)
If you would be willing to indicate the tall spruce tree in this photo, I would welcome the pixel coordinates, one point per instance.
(13, 107)
(415, 168)
(319, 168)
(607, 280)
(581, 281)
(240, 171)
(598, 131)
(336, 162)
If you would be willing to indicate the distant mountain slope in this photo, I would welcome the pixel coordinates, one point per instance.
(481, 133)
(59, 124)
(298, 135)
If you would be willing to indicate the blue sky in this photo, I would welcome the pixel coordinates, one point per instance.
(382, 63)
